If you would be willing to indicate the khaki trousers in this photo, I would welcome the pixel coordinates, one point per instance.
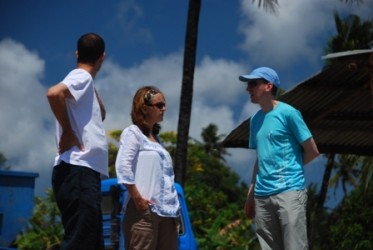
(145, 230)
(281, 222)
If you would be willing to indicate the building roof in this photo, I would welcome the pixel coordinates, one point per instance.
(336, 103)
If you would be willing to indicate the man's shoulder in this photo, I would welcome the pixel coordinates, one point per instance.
(286, 106)
(287, 109)
(79, 72)
(78, 77)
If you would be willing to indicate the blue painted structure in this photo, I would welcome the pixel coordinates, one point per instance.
(16, 203)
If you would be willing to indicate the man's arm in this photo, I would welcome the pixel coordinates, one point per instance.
(250, 201)
(57, 95)
(310, 151)
(102, 106)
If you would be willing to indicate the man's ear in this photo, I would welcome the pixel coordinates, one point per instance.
(76, 54)
(102, 58)
(269, 86)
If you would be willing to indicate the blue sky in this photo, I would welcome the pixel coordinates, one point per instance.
(145, 41)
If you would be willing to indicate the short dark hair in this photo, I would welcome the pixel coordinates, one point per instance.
(90, 48)
(274, 88)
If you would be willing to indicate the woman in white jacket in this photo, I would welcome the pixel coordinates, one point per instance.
(145, 167)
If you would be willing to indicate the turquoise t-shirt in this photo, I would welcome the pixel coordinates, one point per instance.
(277, 136)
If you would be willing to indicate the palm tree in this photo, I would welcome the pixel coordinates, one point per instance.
(366, 172)
(347, 171)
(187, 90)
(212, 142)
(268, 5)
(318, 207)
(351, 34)
(188, 77)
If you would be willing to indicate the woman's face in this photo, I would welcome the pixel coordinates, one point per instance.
(156, 109)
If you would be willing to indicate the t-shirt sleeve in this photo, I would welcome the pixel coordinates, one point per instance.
(298, 126)
(78, 83)
(126, 160)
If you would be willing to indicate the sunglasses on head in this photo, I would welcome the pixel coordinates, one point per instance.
(148, 97)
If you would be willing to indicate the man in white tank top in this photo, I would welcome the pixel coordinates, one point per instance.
(82, 151)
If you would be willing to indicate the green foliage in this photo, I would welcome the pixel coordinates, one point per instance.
(3, 162)
(113, 151)
(115, 134)
(343, 229)
(218, 224)
(315, 218)
(213, 191)
(212, 145)
(45, 230)
(214, 195)
(234, 235)
(366, 173)
(347, 169)
(350, 224)
(352, 34)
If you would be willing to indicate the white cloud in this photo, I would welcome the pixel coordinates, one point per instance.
(216, 81)
(28, 124)
(248, 110)
(126, 21)
(117, 86)
(294, 37)
(291, 34)
(363, 10)
(298, 31)
(25, 127)
(216, 86)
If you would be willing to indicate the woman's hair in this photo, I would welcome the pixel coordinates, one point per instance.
(90, 48)
(142, 98)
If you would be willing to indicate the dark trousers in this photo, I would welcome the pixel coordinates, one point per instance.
(77, 191)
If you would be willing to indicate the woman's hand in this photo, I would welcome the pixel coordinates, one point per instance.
(141, 204)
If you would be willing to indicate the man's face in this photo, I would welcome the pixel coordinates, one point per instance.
(256, 89)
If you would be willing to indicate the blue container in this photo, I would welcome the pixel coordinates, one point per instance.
(113, 196)
(16, 203)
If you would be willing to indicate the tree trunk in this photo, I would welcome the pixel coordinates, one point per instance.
(321, 198)
(187, 90)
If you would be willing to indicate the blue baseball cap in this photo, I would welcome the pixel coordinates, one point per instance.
(263, 72)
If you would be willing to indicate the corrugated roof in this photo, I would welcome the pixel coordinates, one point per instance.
(336, 103)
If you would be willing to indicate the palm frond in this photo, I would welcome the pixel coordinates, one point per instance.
(268, 5)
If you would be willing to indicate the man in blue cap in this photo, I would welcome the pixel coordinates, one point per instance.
(277, 196)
